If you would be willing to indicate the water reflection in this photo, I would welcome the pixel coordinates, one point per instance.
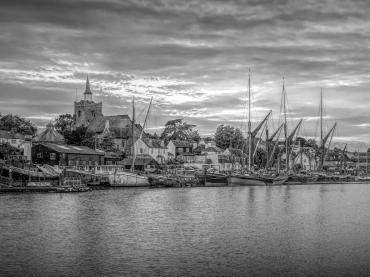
(292, 230)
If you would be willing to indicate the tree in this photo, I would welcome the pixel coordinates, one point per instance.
(228, 136)
(80, 136)
(64, 123)
(17, 124)
(177, 129)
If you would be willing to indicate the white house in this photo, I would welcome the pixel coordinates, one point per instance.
(155, 148)
(17, 140)
(179, 149)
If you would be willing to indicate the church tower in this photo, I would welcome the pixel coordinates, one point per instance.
(87, 110)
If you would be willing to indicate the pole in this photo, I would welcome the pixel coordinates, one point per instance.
(132, 134)
(285, 131)
(321, 133)
(267, 149)
(249, 123)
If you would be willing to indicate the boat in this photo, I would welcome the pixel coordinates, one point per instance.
(249, 179)
(246, 180)
(213, 179)
(130, 178)
(127, 179)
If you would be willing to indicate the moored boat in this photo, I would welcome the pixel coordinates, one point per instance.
(246, 180)
(213, 179)
(127, 179)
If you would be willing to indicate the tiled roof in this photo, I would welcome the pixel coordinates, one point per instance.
(142, 159)
(50, 135)
(70, 149)
(182, 143)
(235, 152)
(153, 143)
(213, 149)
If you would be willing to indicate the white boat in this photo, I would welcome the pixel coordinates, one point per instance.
(127, 179)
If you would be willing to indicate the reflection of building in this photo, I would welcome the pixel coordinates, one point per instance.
(89, 114)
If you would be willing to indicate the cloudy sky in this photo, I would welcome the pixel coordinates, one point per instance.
(193, 57)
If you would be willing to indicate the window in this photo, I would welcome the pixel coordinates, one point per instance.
(53, 156)
(13, 141)
(79, 113)
(141, 150)
(39, 155)
(180, 149)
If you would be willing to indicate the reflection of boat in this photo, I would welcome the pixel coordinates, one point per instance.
(213, 179)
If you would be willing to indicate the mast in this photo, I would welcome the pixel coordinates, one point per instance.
(321, 130)
(367, 161)
(146, 117)
(249, 123)
(132, 133)
(285, 130)
(267, 149)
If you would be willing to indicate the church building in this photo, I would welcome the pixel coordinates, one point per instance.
(89, 113)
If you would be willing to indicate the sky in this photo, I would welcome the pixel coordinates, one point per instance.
(193, 58)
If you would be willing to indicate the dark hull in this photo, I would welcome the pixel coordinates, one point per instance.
(213, 180)
(247, 181)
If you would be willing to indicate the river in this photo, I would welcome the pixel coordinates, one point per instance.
(319, 230)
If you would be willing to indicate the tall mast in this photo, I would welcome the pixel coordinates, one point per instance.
(146, 118)
(132, 133)
(249, 123)
(285, 130)
(321, 130)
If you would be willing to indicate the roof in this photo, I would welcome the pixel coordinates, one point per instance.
(87, 89)
(10, 135)
(119, 125)
(182, 143)
(50, 135)
(213, 149)
(234, 151)
(70, 149)
(143, 159)
(154, 143)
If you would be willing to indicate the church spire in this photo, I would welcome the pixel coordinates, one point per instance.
(88, 93)
(87, 89)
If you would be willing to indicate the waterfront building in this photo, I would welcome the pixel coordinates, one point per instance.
(304, 159)
(152, 147)
(66, 155)
(17, 140)
(143, 162)
(180, 150)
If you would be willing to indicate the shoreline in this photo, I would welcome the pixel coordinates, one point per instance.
(58, 189)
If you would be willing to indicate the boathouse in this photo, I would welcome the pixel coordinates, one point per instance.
(66, 155)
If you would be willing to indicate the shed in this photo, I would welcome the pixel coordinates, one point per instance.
(57, 154)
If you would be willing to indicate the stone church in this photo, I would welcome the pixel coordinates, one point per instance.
(89, 113)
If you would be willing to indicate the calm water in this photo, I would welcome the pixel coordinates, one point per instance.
(291, 231)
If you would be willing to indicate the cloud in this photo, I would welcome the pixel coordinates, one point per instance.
(192, 57)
